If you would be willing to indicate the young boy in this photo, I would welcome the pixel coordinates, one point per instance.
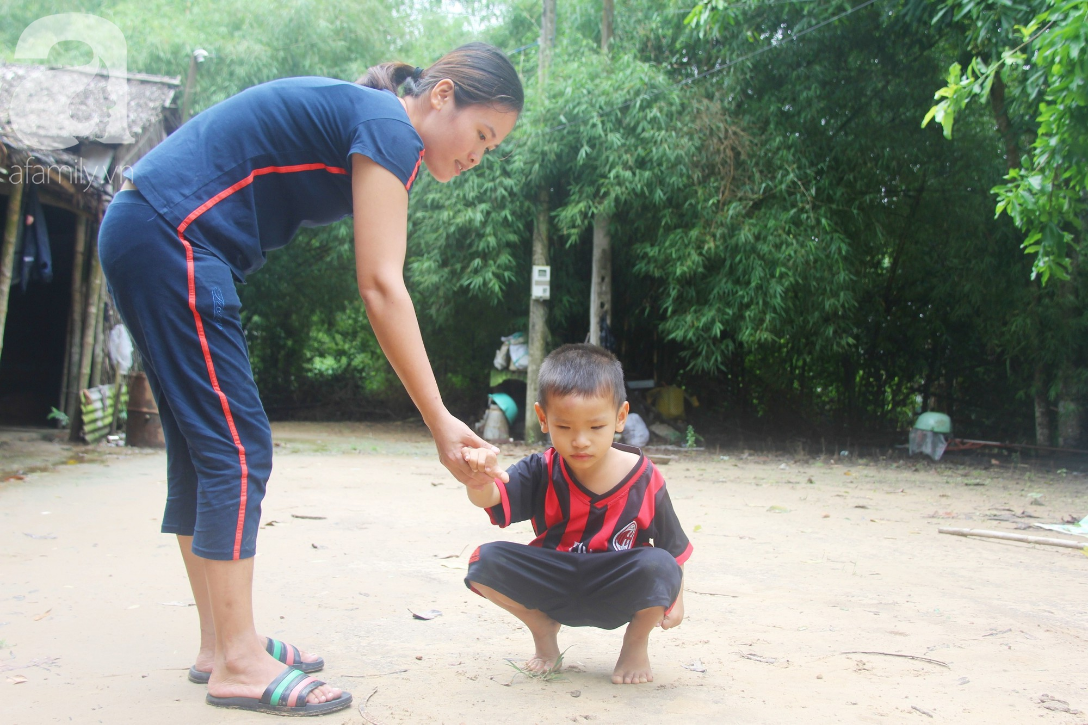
(595, 506)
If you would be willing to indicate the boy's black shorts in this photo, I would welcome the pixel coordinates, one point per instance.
(603, 589)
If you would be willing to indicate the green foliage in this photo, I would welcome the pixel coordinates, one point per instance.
(855, 264)
(1047, 193)
(787, 241)
(60, 416)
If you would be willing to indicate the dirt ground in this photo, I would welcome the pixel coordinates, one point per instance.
(819, 591)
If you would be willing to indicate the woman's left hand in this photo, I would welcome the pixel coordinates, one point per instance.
(450, 436)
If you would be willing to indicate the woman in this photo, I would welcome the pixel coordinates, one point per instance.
(199, 212)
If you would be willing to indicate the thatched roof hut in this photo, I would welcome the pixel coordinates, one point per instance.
(59, 133)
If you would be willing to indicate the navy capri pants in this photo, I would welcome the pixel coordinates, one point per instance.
(179, 303)
(601, 589)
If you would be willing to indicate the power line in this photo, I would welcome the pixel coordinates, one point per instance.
(717, 68)
(749, 4)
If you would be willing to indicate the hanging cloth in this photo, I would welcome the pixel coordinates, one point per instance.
(35, 255)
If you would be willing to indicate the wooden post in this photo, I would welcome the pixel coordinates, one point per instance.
(70, 401)
(538, 309)
(99, 339)
(90, 318)
(7, 252)
(538, 321)
(600, 290)
(195, 58)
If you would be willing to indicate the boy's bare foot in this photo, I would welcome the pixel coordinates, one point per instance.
(546, 639)
(544, 629)
(633, 665)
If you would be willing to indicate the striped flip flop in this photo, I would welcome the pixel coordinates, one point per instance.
(285, 696)
(288, 654)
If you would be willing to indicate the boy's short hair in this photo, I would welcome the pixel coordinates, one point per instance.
(584, 370)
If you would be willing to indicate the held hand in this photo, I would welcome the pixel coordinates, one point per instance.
(450, 437)
(675, 615)
(484, 460)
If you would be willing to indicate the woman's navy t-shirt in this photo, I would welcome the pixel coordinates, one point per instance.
(241, 177)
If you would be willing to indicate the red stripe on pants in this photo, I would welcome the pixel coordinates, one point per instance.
(190, 271)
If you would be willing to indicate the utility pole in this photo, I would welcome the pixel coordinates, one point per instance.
(195, 59)
(600, 290)
(538, 309)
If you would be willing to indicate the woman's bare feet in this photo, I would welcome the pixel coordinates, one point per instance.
(633, 665)
(205, 658)
(248, 675)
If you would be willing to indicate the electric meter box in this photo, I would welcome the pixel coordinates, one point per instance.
(541, 285)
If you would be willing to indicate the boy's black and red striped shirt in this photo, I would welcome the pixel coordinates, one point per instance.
(566, 516)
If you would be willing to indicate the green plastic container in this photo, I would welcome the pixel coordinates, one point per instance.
(936, 422)
(509, 407)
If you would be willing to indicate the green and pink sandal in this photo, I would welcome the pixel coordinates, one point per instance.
(286, 696)
(288, 654)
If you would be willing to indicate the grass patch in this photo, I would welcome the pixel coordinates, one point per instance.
(550, 675)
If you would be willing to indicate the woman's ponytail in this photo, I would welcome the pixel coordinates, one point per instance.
(387, 76)
(482, 75)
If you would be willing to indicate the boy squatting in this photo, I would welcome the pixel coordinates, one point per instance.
(595, 506)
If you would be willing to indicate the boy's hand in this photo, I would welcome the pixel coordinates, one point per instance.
(675, 615)
(484, 460)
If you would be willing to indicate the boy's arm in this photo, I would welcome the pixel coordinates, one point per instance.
(482, 460)
(512, 495)
(485, 497)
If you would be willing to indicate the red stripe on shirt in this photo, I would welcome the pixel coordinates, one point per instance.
(646, 513)
(685, 555)
(412, 178)
(504, 499)
(191, 274)
(553, 513)
(249, 180)
(579, 513)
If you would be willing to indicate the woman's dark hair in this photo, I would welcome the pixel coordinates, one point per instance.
(482, 75)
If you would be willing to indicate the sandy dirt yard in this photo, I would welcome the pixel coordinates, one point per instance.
(818, 592)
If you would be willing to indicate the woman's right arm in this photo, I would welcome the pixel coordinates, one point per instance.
(380, 205)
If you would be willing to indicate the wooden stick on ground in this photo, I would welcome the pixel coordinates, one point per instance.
(893, 654)
(1014, 537)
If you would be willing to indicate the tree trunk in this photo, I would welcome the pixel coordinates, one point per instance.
(538, 309)
(1004, 126)
(538, 321)
(606, 24)
(1069, 411)
(1042, 409)
(75, 322)
(547, 41)
(600, 291)
(7, 253)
